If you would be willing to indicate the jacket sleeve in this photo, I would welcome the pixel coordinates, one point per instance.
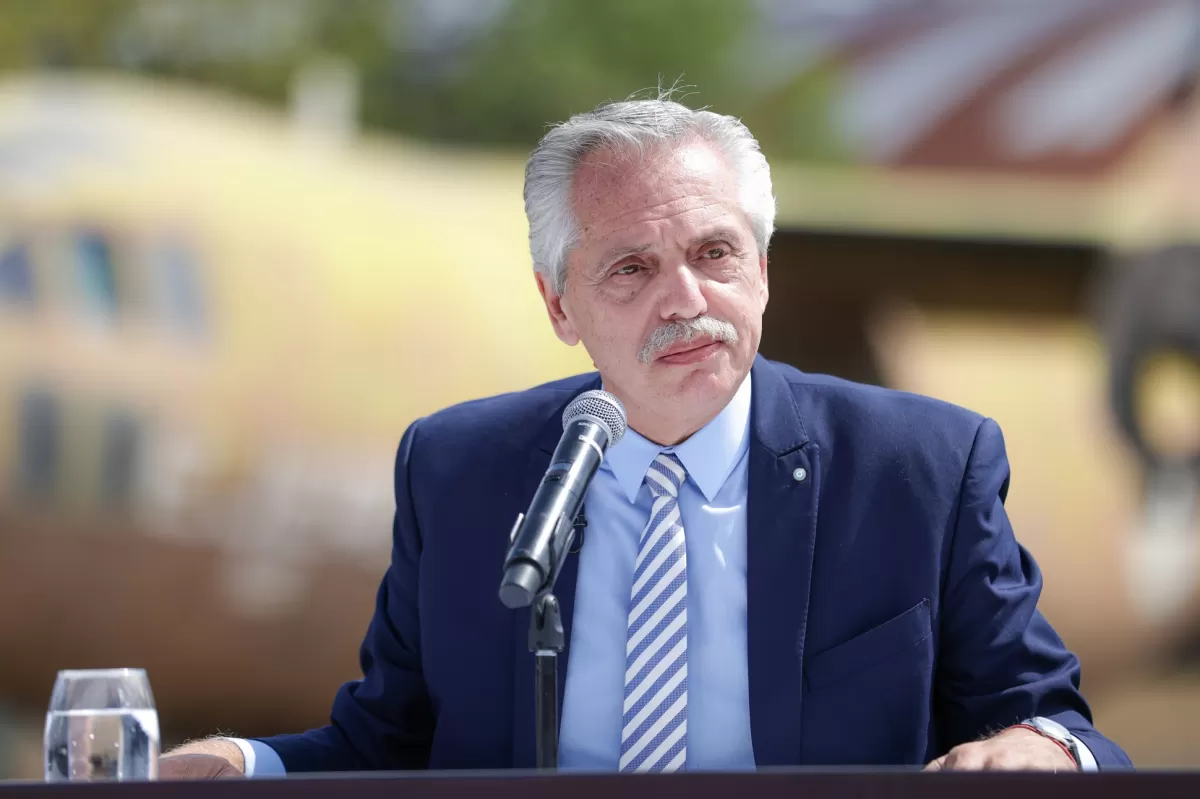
(384, 720)
(999, 660)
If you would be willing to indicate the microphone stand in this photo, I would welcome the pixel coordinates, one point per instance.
(546, 642)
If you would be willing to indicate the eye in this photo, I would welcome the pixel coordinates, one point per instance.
(627, 269)
(715, 253)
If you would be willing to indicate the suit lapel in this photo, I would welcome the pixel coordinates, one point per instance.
(524, 738)
(780, 538)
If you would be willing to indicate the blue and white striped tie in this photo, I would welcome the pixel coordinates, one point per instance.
(654, 728)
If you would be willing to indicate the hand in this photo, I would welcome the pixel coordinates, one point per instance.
(196, 767)
(209, 759)
(1014, 749)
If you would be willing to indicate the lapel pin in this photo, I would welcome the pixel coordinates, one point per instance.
(800, 474)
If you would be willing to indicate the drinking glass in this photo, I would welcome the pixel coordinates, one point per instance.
(102, 725)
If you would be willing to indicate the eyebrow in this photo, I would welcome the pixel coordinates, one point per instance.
(717, 233)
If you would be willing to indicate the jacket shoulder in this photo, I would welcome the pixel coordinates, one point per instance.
(889, 418)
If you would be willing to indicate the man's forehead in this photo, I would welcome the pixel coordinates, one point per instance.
(610, 188)
(607, 171)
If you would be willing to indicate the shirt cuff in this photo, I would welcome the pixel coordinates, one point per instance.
(261, 759)
(1087, 761)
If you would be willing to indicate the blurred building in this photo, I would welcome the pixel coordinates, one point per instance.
(214, 328)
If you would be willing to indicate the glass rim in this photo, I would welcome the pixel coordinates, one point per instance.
(118, 672)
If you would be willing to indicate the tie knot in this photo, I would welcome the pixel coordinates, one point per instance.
(665, 475)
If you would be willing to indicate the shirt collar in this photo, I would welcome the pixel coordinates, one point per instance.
(709, 454)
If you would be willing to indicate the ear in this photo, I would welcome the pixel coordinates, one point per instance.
(762, 266)
(563, 328)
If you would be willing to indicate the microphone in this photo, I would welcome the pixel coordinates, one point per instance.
(541, 537)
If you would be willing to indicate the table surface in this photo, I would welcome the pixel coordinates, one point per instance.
(775, 784)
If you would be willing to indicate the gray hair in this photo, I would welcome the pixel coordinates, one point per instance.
(632, 126)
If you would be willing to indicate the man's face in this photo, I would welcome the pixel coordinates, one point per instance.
(666, 288)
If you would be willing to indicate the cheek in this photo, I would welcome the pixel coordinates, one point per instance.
(740, 303)
(622, 291)
(611, 338)
(756, 288)
(623, 339)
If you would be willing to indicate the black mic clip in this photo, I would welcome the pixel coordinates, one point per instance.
(580, 526)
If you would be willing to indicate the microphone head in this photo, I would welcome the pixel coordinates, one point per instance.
(600, 407)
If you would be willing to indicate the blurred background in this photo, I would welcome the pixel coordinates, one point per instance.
(244, 243)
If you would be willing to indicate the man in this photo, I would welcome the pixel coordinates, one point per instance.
(779, 568)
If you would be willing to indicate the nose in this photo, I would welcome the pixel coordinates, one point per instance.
(682, 297)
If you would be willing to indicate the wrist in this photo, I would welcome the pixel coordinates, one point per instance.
(223, 748)
(1066, 745)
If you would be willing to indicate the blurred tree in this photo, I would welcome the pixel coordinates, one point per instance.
(469, 71)
(57, 33)
(545, 59)
(250, 46)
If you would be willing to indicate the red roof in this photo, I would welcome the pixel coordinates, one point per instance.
(1054, 86)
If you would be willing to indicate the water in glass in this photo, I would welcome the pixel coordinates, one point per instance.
(101, 725)
(101, 745)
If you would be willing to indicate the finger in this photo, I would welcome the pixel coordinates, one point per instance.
(968, 757)
(936, 765)
(229, 772)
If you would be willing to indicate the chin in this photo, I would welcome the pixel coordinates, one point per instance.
(710, 379)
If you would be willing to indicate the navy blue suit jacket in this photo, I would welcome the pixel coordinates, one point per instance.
(891, 613)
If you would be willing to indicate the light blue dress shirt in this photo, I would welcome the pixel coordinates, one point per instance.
(712, 507)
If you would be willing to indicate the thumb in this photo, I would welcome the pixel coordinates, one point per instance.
(936, 765)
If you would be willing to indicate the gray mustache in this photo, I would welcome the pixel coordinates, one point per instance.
(685, 330)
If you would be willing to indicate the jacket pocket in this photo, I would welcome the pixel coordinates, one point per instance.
(876, 645)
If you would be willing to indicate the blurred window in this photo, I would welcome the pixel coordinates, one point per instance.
(16, 274)
(95, 273)
(39, 442)
(119, 458)
(176, 277)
